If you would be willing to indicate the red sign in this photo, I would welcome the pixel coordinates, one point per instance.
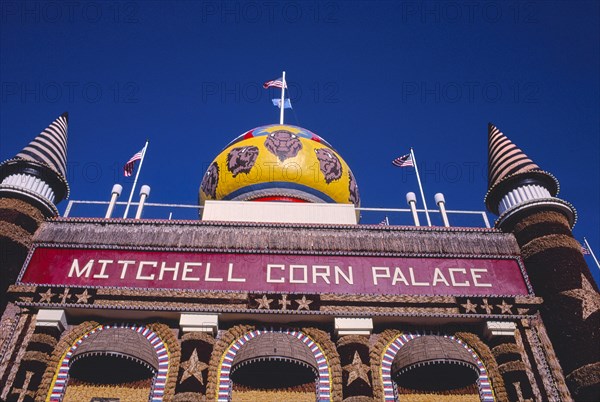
(274, 272)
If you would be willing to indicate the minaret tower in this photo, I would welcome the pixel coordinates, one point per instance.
(524, 197)
(31, 184)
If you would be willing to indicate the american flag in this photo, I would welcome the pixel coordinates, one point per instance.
(278, 83)
(403, 161)
(585, 250)
(128, 168)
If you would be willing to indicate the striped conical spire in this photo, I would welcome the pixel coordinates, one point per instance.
(37, 173)
(504, 158)
(50, 147)
(509, 167)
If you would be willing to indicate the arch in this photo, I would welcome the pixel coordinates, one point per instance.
(226, 363)
(390, 352)
(59, 383)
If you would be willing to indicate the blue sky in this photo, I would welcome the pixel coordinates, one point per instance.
(373, 78)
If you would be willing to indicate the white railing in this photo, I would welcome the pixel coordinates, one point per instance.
(395, 216)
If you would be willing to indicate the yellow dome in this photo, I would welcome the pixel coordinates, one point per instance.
(279, 163)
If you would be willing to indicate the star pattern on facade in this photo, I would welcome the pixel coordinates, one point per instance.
(193, 367)
(66, 294)
(265, 303)
(470, 307)
(47, 296)
(590, 299)
(284, 302)
(487, 307)
(303, 304)
(83, 297)
(504, 307)
(357, 369)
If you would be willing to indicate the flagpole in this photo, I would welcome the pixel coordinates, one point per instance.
(282, 104)
(412, 154)
(591, 252)
(135, 181)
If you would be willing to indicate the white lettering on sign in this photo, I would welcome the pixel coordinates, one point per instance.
(85, 270)
(476, 277)
(269, 272)
(125, 264)
(318, 274)
(187, 268)
(164, 268)
(102, 274)
(380, 272)
(348, 278)
(321, 275)
(399, 277)
(453, 279)
(207, 277)
(141, 267)
(412, 279)
(308, 274)
(438, 276)
(230, 277)
(303, 274)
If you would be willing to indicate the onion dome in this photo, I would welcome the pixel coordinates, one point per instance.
(38, 171)
(279, 163)
(508, 169)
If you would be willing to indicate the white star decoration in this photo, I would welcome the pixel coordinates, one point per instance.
(590, 299)
(47, 296)
(263, 302)
(504, 307)
(303, 303)
(357, 370)
(470, 307)
(193, 368)
(83, 297)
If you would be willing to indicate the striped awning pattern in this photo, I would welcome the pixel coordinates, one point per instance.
(504, 158)
(50, 147)
(508, 167)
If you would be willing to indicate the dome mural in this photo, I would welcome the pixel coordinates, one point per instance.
(279, 163)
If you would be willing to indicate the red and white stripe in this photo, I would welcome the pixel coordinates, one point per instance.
(278, 83)
(128, 168)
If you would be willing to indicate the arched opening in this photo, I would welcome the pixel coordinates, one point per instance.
(109, 369)
(275, 366)
(435, 367)
(113, 363)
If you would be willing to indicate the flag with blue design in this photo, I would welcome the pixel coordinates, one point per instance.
(287, 104)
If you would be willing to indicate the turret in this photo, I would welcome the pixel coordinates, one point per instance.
(524, 197)
(31, 184)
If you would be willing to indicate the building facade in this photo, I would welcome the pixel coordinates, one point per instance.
(277, 293)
